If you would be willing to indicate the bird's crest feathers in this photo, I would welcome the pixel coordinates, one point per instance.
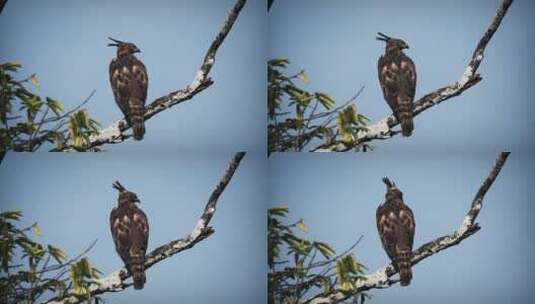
(392, 43)
(116, 42)
(388, 183)
(118, 186)
(382, 37)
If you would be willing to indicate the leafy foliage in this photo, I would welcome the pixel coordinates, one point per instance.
(27, 121)
(300, 268)
(296, 116)
(30, 270)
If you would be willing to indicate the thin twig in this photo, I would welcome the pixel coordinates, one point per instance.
(348, 250)
(69, 262)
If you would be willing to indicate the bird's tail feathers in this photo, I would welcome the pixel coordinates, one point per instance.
(405, 118)
(404, 266)
(137, 269)
(137, 120)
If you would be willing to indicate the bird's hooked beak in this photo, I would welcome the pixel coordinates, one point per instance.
(405, 46)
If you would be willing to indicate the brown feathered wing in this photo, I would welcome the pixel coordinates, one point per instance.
(396, 226)
(397, 76)
(130, 231)
(129, 82)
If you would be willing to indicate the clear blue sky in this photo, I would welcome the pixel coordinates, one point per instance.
(71, 197)
(337, 196)
(335, 43)
(64, 43)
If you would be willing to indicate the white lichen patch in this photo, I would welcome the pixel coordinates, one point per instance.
(198, 79)
(112, 281)
(378, 278)
(108, 134)
(467, 222)
(379, 129)
(468, 73)
(198, 229)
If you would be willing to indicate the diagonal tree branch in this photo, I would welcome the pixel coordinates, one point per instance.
(269, 4)
(116, 281)
(115, 133)
(383, 128)
(381, 277)
(2, 4)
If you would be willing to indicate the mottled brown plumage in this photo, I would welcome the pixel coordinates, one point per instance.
(396, 226)
(397, 76)
(130, 231)
(129, 82)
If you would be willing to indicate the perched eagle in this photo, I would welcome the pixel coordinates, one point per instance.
(130, 231)
(396, 226)
(397, 75)
(129, 82)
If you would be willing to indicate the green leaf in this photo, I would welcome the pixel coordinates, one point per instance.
(32, 103)
(35, 81)
(6, 253)
(11, 215)
(326, 100)
(346, 122)
(325, 249)
(363, 120)
(82, 118)
(94, 126)
(301, 225)
(278, 211)
(11, 66)
(342, 276)
(298, 95)
(79, 272)
(95, 273)
(345, 133)
(79, 122)
(37, 230)
(84, 267)
(351, 264)
(351, 114)
(57, 254)
(303, 77)
(347, 271)
(54, 105)
(279, 62)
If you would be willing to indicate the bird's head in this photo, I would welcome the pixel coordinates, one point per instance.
(392, 44)
(391, 190)
(124, 48)
(125, 196)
